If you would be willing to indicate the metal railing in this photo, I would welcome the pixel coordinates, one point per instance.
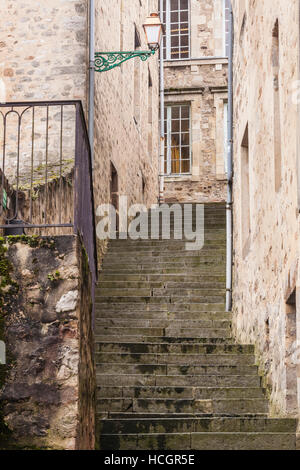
(46, 171)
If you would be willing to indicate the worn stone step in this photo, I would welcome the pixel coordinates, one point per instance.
(191, 393)
(178, 261)
(174, 348)
(165, 300)
(164, 278)
(165, 369)
(157, 292)
(163, 316)
(161, 339)
(173, 358)
(177, 424)
(167, 307)
(211, 236)
(173, 250)
(251, 381)
(170, 332)
(231, 407)
(117, 284)
(160, 323)
(162, 255)
(199, 441)
(127, 270)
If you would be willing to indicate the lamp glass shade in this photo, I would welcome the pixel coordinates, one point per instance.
(153, 30)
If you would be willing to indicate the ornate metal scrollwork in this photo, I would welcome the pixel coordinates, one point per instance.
(105, 61)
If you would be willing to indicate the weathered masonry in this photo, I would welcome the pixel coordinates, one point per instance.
(195, 63)
(266, 189)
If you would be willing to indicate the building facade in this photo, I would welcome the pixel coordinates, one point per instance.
(44, 52)
(266, 188)
(195, 67)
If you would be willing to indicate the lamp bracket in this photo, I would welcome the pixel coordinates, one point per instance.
(105, 61)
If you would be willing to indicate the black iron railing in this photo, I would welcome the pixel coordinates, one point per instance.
(46, 171)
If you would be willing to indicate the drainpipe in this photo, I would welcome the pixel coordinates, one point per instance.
(162, 116)
(92, 76)
(229, 218)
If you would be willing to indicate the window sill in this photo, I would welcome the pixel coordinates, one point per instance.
(176, 178)
(196, 61)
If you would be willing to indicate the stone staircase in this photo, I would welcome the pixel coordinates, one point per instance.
(170, 376)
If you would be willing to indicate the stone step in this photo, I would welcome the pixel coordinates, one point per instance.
(165, 369)
(178, 359)
(166, 300)
(175, 348)
(163, 316)
(158, 292)
(192, 260)
(209, 237)
(125, 271)
(170, 332)
(251, 381)
(191, 393)
(159, 323)
(199, 441)
(229, 407)
(172, 250)
(164, 278)
(116, 307)
(161, 339)
(159, 284)
(177, 424)
(200, 268)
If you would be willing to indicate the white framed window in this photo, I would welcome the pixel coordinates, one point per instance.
(178, 151)
(226, 27)
(176, 19)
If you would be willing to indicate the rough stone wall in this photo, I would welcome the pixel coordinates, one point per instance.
(266, 261)
(202, 84)
(207, 28)
(47, 393)
(123, 101)
(43, 49)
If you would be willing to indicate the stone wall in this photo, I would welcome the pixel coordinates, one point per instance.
(43, 49)
(48, 390)
(126, 108)
(266, 214)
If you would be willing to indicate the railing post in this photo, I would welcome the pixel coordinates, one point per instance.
(76, 167)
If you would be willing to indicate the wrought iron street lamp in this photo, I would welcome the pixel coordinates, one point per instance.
(105, 61)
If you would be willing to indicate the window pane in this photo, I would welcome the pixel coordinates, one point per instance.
(185, 139)
(185, 125)
(185, 153)
(175, 53)
(184, 42)
(175, 126)
(175, 17)
(184, 4)
(174, 41)
(185, 167)
(175, 112)
(184, 28)
(185, 112)
(175, 140)
(174, 5)
(184, 16)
